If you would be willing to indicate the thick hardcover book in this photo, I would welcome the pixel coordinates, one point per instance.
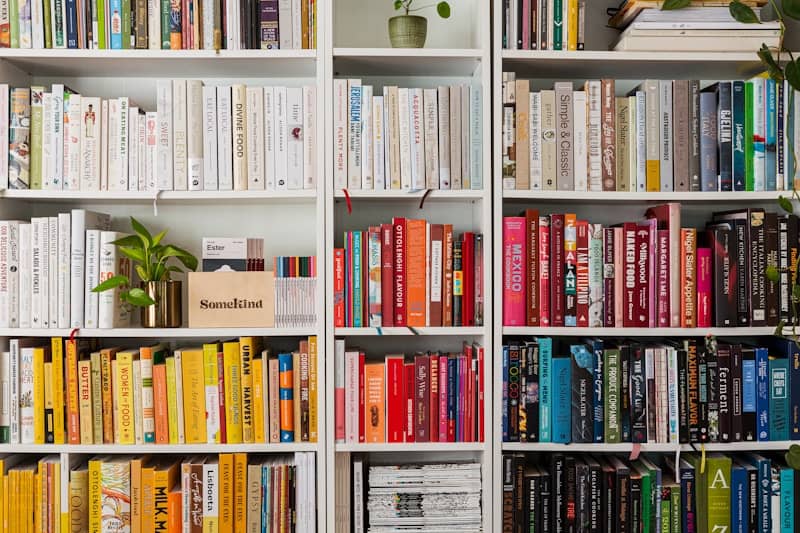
(688, 277)
(531, 392)
(609, 277)
(582, 397)
(724, 396)
(557, 297)
(693, 390)
(749, 430)
(514, 252)
(694, 135)
(532, 270)
(399, 278)
(608, 134)
(644, 279)
(598, 412)
(680, 134)
(422, 403)
(784, 274)
(561, 387)
(725, 135)
(722, 241)
(638, 394)
(570, 267)
(762, 381)
(771, 252)
(582, 273)
(565, 179)
(558, 493)
(544, 290)
(513, 393)
(770, 134)
(708, 141)
(667, 141)
(779, 399)
(612, 378)
(624, 392)
(570, 494)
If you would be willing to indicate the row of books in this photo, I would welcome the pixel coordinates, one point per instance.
(30, 493)
(559, 270)
(715, 492)
(407, 138)
(226, 137)
(666, 392)
(295, 291)
(544, 24)
(663, 135)
(408, 273)
(73, 391)
(157, 25)
(424, 397)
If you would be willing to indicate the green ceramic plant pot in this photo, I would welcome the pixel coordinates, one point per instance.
(408, 31)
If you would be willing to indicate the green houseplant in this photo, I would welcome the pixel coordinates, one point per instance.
(410, 31)
(158, 296)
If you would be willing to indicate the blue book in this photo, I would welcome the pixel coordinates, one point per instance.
(265, 487)
(739, 499)
(114, 15)
(780, 151)
(504, 411)
(762, 394)
(688, 491)
(286, 394)
(357, 277)
(545, 388)
(763, 492)
(787, 499)
(452, 388)
(738, 136)
(749, 399)
(562, 387)
(771, 122)
(788, 349)
(598, 414)
(71, 24)
(779, 399)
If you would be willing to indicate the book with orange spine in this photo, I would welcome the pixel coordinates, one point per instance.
(73, 396)
(161, 414)
(175, 510)
(239, 492)
(57, 357)
(416, 246)
(302, 391)
(286, 392)
(375, 414)
(273, 395)
(226, 491)
(313, 381)
(148, 495)
(165, 477)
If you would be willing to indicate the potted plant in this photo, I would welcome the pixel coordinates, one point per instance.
(158, 295)
(409, 31)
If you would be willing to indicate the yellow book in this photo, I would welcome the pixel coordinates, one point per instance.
(11, 511)
(62, 512)
(653, 173)
(6, 497)
(248, 348)
(57, 352)
(136, 494)
(225, 493)
(48, 403)
(258, 399)
(148, 503)
(95, 502)
(211, 377)
(124, 430)
(78, 500)
(39, 354)
(233, 392)
(194, 396)
(165, 477)
(572, 25)
(313, 386)
(85, 401)
(38, 501)
(172, 401)
(239, 491)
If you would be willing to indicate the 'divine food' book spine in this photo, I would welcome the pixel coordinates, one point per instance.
(239, 137)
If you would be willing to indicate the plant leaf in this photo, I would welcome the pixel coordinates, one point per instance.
(796, 292)
(137, 254)
(791, 8)
(158, 237)
(131, 241)
(767, 59)
(772, 273)
(793, 456)
(779, 329)
(142, 232)
(137, 296)
(142, 273)
(398, 4)
(785, 204)
(188, 260)
(674, 4)
(792, 73)
(743, 13)
(443, 8)
(112, 283)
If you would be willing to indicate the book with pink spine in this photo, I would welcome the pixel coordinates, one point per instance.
(544, 271)
(703, 287)
(514, 271)
(662, 279)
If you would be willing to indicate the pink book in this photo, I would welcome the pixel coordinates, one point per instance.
(651, 276)
(704, 287)
(514, 271)
(544, 271)
(526, 24)
(662, 278)
(442, 398)
(351, 396)
(462, 397)
(433, 399)
(480, 398)
(619, 278)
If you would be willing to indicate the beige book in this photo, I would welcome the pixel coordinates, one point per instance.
(466, 182)
(194, 134)
(340, 95)
(179, 147)
(79, 499)
(523, 177)
(239, 129)
(254, 498)
(444, 137)
(548, 140)
(393, 139)
(255, 138)
(623, 144)
(404, 126)
(136, 495)
(430, 117)
(274, 402)
(455, 137)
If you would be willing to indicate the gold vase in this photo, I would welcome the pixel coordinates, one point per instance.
(408, 31)
(166, 312)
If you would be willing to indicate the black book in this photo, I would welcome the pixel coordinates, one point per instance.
(702, 373)
(638, 394)
(582, 396)
(508, 493)
(725, 135)
(771, 250)
(692, 390)
(623, 496)
(570, 494)
(650, 404)
(724, 388)
(752, 494)
(545, 520)
(582, 503)
(712, 391)
(558, 494)
(683, 396)
(758, 267)
(532, 391)
(513, 392)
(608, 487)
(794, 253)
(519, 493)
(736, 393)
(741, 226)
(598, 397)
(748, 411)
(635, 512)
(624, 392)
(532, 502)
(595, 483)
(784, 282)
(722, 241)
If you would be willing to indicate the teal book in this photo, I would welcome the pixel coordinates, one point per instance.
(358, 276)
(770, 148)
(611, 375)
(558, 23)
(787, 499)
(561, 413)
(545, 387)
(779, 399)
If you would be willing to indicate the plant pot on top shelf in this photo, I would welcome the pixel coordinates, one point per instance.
(410, 31)
(166, 311)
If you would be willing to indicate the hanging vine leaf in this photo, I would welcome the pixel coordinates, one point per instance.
(793, 456)
(443, 8)
(779, 329)
(792, 72)
(743, 13)
(674, 4)
(785, 204)
(774, 70)
(772, 273)
(791, 8)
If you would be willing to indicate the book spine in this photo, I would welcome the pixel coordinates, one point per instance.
(165, 135)
(708, 141)
(609, 277)
(608, 135)
(543, 288)
(557, 263)
(680, 133)
(666, 146)
(663, 279)
(549, 146)
(565, 178)
(354, 155)
(688, 277)
(725, 135)
(239, 137)
(594, 135)
(580, 152)
(652, 135)
(224, 139)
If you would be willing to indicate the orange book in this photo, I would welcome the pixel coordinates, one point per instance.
(226, 493)
(160, 402)
(136, 494)
(175, 510)
(73, 402)
(57, 353)
(375, 414)
(239, 492)
(416, 250)
(106, 389)
(148, 494)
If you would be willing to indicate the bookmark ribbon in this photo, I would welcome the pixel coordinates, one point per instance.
(155, 203)
(73, 333)
(348, 201)
(636, 449)
(424, 197)
(702, 458)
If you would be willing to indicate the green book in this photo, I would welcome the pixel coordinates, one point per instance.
(675, 507)
(13, 9)
(647, 494)
(749, 172)
(126, 24)
(59, 40)
(666, 501)
(718, 487)
(48, 36)
(165, 12)
(558, 23)
(37, 124)
(701, 494)
(611, 385)
(100, 6)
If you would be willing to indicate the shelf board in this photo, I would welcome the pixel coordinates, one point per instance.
(412, 196)
(639, 332)
(439, 62)
(163, 63)
(412, 447)
(589, 64)
(585, 197)
(624, 447)
(163, 333)
(166, 197)
(392, 332)
(283, 447)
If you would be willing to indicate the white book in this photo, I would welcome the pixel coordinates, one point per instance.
(641, 141)
(404, 127)
(104, 145)
(392, 135)
(179, 394)
(285, 18)
(153, 25)
(48, 144)
(81, 220)
(294, 144)
(665, 92)
(759, 129)
(455, 137)
(239, 133)
(133, 148)
(367, 139)
(164, 152)
(225, 139)
(231, 29)
(340, 130)
(111, 311)
(116, 182)
(9, 255)
(179, 147)
(26, 410)
(379, 150)
(39, 275)
(72, 142)
(416, 139)
(209, 138)
(632, 158)
(465, 144)
(211, 490)
(672, 388)
(444, 137)
(4, 134)
(5, 389)
(255, 138)
(593, 135)
(281, 139)
(141, 136)
(579, 147)
(58, 135)
(52, 272)
(5, 272)
(64, 278)
(354, 134)
(212, 413)
(90, 144)
(151, 150)
(476, 137)
(14, 349)
(36, 23)
(138, 430)
(194, 134)
(535, 136)
(25, 275)
(269, 138)
(208, 10)
(92, 278)
(309, 137)
(430, 121)
(297, 28)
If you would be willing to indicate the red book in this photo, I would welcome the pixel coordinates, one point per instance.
(395, 399)
(399, 299)
(421, 395)
(433, 399)
(663, 276)
(704, 287)
(557, 300)
(582, 273)
(641, 298)
(514, 283)
(608, 277)
(362, 400)
(652, 273)
(387, 276)
(629, 317)
(532, 270)
(469, 433)
(442, 398)
(468, 266)
(544, 271)
(480, 395)
(409, 400)
(338, 287)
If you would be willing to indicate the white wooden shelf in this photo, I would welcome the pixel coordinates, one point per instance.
(161, 333)
(413, 196)
(625, 447)
(639, 332)
(140, 197)
(163, 63)
(178, 449)
(406, 61)
(395, 332)
(412, 447)
(585, 197)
